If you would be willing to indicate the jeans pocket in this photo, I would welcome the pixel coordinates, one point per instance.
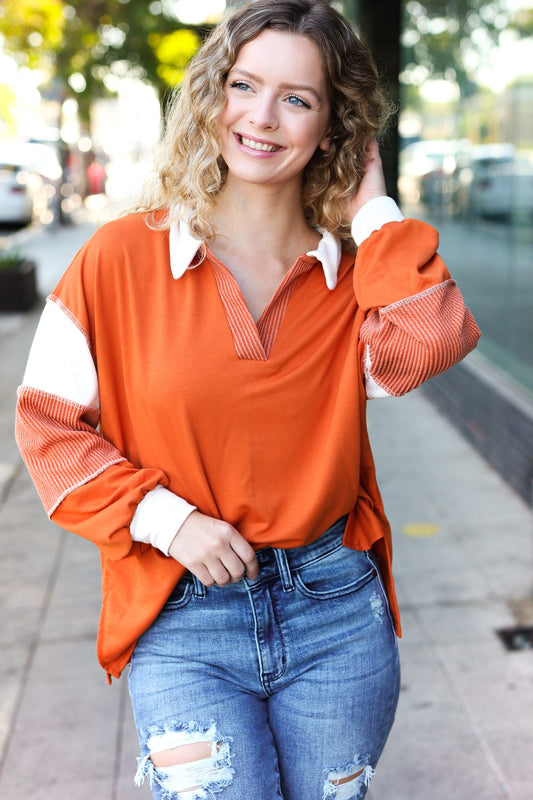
(181, 595)
(339, 572)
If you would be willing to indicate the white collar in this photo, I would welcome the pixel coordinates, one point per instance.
(183, 248)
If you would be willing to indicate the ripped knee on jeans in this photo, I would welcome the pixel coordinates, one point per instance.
(186, 762)
(348, 782)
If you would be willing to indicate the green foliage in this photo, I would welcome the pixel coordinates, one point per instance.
(33, 30)
(451, 39)
(88, 44)
(7, 105)
(10, 259)
(173, 51)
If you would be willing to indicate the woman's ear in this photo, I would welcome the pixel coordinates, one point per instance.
(325, 143)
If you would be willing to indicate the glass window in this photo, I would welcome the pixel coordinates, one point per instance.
(466, 159)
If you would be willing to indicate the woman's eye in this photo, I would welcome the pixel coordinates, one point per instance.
(294, 100)
(239, 85)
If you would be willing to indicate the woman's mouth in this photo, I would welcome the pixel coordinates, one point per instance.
(263, 147)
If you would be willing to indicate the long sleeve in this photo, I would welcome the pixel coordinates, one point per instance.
(416, 325)
(85, 483)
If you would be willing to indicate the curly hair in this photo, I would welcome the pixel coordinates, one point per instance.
(189, 169)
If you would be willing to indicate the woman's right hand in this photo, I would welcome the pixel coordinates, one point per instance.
(372, 184)
(213, 551)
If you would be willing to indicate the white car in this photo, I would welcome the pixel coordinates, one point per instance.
(30, 175)
(427, 170)
(495, 184)
(16, 195)
(504, 191)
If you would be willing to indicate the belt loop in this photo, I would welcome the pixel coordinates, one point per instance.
(199, 589)
(284, 570)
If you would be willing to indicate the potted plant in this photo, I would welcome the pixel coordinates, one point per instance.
(18, 284)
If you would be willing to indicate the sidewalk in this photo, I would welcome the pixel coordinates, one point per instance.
(463, 560)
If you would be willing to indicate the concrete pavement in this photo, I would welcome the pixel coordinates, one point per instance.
(464, 567)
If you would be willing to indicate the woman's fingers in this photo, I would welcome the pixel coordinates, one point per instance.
(227, 568)
(246, 555)
(213, 551)
(372, 183)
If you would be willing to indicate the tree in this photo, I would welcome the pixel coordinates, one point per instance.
(110, 39)
(33, 31)
(451, 39)
(88, 45)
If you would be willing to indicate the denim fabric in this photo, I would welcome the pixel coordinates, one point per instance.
(292, 678)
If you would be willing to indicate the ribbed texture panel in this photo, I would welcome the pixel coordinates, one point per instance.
(255, 342)
(60, 445)
(414, 339)
(245, 335)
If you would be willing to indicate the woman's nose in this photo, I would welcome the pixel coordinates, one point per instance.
(263, 114)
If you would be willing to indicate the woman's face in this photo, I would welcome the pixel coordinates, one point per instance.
(277, 110)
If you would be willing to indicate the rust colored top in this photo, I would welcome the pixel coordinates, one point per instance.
(139, 380)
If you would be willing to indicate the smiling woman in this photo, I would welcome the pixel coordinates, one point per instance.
(277, 112)
(194, 402)
(191, 170)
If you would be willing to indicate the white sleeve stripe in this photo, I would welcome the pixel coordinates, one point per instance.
(60, 362)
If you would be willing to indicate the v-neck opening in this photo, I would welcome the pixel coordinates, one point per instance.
(254, 341)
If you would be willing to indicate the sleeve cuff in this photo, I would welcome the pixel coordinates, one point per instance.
(372, 216)
(158, 518)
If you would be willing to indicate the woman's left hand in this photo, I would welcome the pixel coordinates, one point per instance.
(372, 184)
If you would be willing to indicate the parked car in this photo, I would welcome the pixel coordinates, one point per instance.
(428, 169)
(30, 177)
(495, 184)
(16, 196)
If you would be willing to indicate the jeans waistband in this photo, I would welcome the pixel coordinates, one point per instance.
(283, 561)
(274, 561)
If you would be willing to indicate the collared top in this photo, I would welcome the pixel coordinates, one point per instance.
(149, 393)
(255, 340)
(184, 247)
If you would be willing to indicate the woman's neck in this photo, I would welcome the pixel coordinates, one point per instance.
(260, 234)
(251, 219)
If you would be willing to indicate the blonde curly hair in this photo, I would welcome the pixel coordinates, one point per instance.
(189, 169)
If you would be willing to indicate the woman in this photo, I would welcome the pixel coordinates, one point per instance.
(224, 346)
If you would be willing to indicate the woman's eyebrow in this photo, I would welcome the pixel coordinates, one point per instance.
(293, 87)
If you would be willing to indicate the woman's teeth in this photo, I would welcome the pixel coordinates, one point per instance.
(269, 148)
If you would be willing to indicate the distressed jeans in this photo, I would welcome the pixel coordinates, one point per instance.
(291, 680)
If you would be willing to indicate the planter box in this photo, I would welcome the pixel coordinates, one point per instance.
(18, 288)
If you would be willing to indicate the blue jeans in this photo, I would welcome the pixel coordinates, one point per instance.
(290, 681)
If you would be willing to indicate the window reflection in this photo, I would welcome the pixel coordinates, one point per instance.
(466, 162)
